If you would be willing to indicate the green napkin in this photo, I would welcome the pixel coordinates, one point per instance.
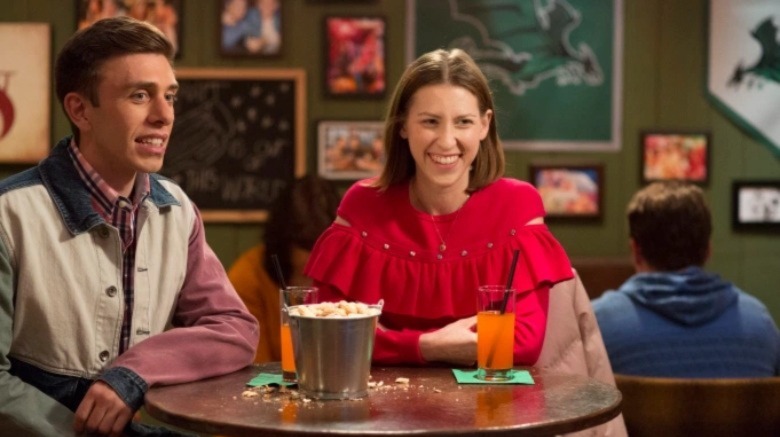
(268, 379)
(470, 377)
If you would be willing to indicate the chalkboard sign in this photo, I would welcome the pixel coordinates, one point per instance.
(238, 139)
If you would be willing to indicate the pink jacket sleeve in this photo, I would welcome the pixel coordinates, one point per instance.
(213, 333)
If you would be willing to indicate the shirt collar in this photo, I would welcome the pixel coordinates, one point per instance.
(105, 196)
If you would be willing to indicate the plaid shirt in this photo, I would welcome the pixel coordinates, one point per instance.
(120, 212)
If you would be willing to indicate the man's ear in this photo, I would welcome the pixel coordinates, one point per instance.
(636, 256)
(76, 107)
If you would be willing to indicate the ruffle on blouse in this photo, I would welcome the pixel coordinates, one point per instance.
(366, 271)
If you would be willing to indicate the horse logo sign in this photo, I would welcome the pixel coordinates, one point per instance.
(744, 65)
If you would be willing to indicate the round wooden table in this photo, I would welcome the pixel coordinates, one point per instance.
(432, 404)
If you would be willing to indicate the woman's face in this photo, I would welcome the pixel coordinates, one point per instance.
(444, 128)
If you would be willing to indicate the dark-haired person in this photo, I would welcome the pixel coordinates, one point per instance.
(107, 284)
(673, 318)
(301, 213)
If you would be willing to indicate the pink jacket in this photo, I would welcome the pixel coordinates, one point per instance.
(573, 344)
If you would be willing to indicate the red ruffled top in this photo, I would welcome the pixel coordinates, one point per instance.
(391, 251)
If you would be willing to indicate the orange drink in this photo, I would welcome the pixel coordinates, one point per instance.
(495, 332)
(288, 359)
(289, 297)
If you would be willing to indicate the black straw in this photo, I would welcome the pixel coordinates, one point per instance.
(279, 273)
(509, 280)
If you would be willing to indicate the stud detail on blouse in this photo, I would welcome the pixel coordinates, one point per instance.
(464, 253)
(386, 246)
(512, 232)
(364, 234)
(439, 256)
(490, 245)
(411, 253)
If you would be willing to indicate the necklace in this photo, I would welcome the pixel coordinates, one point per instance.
(443, 244)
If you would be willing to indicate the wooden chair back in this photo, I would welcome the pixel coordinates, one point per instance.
(700, 407)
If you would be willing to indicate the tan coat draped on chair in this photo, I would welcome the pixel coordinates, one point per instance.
(573, 344)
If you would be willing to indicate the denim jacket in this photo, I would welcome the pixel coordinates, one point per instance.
(61, 312)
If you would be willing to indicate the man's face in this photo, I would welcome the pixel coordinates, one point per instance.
(129, 130)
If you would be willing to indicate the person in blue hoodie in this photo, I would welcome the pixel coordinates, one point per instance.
(673, 318)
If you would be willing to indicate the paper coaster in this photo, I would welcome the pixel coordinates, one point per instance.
(268, 379)
(470, 377)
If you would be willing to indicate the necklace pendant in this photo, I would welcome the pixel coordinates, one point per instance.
(442, 247)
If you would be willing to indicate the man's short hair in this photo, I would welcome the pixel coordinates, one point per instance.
(671, 224)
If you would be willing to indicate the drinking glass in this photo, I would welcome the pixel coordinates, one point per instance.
(495, 332)
(291, 296)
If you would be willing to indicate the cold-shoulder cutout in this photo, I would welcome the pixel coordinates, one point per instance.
(340, 221)
(535, 221)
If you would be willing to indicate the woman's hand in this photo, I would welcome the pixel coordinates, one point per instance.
(455, 343)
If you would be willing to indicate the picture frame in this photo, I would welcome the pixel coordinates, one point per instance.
(755, 204)
(350, 150)
(166, 15)
(570, 191)
(251, 28)
(675, 155)
(355, 56)
(25, 92)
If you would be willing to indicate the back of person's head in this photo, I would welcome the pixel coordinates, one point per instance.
(453, 67)
(78, 64)
(670, 222)
(301, 213)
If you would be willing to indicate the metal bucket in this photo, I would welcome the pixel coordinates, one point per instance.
(333, 355)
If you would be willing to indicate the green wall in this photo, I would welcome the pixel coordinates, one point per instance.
(663, 77)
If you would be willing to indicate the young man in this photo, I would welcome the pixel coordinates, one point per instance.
(672, 318)
(107, 284)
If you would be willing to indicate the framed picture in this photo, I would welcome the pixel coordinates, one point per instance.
(350, 149)
(756, 204)
(166, 15)
(355, 56)
(250, 28)
(570, 191)
(681, 156)
(25, 92)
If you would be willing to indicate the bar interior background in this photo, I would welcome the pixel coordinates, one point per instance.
(664, 59)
